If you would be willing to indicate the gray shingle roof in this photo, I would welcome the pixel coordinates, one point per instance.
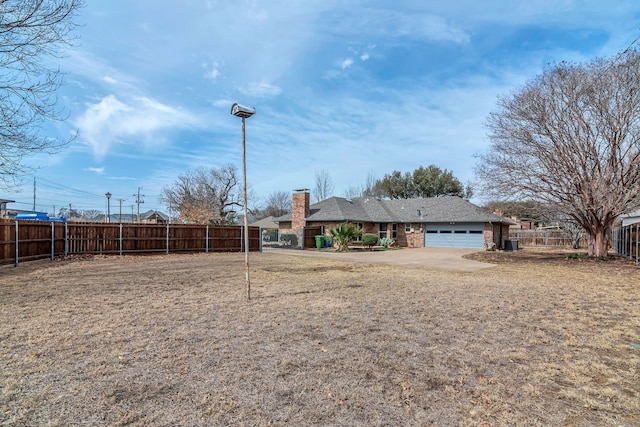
(433, 209)
(265, 223)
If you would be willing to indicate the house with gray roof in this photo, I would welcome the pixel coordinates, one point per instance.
(445, 222)
(631, 218)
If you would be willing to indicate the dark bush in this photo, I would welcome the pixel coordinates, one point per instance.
(369, 240)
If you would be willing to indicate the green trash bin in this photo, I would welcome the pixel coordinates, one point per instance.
(319, 241)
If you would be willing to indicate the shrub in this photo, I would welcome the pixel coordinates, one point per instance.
(578, 255)
(342, 234)
(387, 242)
(369, 239)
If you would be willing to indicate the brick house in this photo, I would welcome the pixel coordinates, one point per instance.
(446, 222)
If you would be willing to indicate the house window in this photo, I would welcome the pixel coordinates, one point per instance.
(394, 231)
(360, 227)
(383, 231)
(407, 228)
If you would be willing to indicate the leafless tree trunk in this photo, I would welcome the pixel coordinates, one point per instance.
(31, 33)
(571, 139)
(323, 185)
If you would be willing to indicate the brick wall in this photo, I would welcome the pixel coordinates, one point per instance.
(299, 209)
(492, 234)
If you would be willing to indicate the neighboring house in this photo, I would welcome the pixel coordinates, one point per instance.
(153, 217)
(443, 222)
(4, 213)
(269, 228)
(631, 218)
(148, 217)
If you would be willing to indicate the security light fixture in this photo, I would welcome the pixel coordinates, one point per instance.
(243, 111)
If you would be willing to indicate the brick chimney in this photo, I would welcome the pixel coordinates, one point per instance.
(299, 208)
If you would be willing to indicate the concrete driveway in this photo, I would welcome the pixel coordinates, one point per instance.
(442, 259)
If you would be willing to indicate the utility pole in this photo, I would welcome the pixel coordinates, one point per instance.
(121, 200)
(34, 193)
(138, 201)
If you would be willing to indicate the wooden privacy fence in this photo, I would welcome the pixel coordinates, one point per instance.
(626, 241)
(544, 238)
(29, 240)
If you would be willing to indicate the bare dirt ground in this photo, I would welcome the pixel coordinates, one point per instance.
(537, 340)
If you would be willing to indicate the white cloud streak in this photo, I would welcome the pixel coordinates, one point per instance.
(260, 90)
(111, 121)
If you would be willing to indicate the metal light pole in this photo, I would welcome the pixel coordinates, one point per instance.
(108, 206)
(244, 112)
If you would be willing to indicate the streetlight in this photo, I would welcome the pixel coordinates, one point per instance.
(244, 112)
(108, 207)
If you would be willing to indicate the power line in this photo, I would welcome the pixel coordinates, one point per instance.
(58, 186)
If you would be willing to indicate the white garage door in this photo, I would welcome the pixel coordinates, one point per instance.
(458, 235)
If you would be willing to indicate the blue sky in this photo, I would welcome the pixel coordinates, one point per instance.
(351, 87)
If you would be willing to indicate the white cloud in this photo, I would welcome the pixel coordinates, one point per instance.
(99, 171)
(261, 90)
(346, 63)
(391, 23)
(213, 73)
(364, 57)
(432, 27)
(111, 121)
(110, 80)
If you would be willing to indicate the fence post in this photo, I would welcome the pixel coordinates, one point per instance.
(242, 231)
(53, 240)
(206, 239)
(120, 240)
(260, 237)
(16, 263)
(637, 244)
(167, 238)
(630, 246)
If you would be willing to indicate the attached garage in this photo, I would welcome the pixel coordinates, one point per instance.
(454, 235)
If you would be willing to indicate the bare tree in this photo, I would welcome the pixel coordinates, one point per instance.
(204, 195)
(571, 140)
(574, 230)
(527, 210)
(92, 215)
(323, 185)
(32, 32)
(353, 191)
(368, 189)
(278, 204)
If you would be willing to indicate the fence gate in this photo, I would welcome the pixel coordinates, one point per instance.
(309, 236)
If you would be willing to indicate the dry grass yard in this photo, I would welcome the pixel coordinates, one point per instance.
(538, 340)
